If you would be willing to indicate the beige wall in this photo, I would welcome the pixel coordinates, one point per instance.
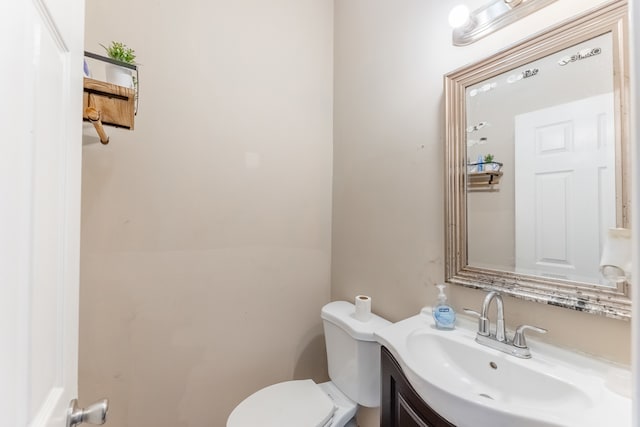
(388, 211)
(206, 231)
(202, 274)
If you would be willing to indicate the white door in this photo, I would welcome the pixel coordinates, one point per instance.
(41, 45)
(565, 158)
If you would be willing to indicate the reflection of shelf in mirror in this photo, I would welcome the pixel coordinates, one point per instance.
(484, 167)
(483, 181)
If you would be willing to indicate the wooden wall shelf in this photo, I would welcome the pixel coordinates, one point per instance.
(483, 179)
(115, 103)
(108, 104)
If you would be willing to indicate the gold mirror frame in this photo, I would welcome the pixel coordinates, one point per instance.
(591, 298)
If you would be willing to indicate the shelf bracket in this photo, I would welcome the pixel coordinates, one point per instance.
(94, 117)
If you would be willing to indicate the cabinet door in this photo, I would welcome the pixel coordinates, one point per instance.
(406, 416)
(400, 404)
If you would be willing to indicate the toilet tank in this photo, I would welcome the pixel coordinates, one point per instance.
(353, 354)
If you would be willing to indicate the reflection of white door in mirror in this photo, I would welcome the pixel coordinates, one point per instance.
(565, 188)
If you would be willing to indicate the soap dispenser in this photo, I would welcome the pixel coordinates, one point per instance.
(443, 313)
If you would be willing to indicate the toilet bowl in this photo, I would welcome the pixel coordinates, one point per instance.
(295, 404)
(353, 358)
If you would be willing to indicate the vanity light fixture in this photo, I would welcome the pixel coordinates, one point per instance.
(459, 16)
(489, 18)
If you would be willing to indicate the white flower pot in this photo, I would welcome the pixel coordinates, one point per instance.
(119, 75)
(491, 167)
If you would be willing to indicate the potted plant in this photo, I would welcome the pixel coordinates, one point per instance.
(489, 165)
(116, 74)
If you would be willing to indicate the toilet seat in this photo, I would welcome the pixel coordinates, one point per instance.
(286, 404)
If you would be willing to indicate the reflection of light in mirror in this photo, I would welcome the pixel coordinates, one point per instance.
(484, 88)
(473, 142)
(523, 75)
(514, 78)
(582, 54)
(479, 126)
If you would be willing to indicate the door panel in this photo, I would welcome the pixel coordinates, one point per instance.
(40, 155)
(565, 188)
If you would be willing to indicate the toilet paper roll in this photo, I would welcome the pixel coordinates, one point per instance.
(363, 308)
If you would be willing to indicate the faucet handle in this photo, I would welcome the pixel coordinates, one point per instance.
(483, 322)
(519, 339)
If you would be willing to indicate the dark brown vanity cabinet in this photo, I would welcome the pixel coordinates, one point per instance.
(400, 404)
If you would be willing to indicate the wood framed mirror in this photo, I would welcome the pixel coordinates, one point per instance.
(537, 165)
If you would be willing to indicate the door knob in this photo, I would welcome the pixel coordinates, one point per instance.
(92, 414)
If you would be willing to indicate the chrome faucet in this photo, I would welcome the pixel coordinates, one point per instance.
(499, 340)
(484, 325)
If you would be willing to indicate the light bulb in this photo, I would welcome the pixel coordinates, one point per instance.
(459, 16)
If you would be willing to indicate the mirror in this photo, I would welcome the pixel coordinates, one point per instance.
(537, 165)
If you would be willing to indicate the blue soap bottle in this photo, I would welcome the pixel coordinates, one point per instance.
(443, 313)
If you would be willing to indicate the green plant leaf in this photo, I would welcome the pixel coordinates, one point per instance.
(120, 52)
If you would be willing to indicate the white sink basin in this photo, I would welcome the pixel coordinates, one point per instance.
(473, 385)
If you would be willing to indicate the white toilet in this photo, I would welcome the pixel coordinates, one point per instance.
(353, 357)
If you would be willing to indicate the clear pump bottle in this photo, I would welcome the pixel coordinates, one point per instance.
(443, 313)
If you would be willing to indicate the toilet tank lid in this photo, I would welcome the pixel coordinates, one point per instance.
(341, 313)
